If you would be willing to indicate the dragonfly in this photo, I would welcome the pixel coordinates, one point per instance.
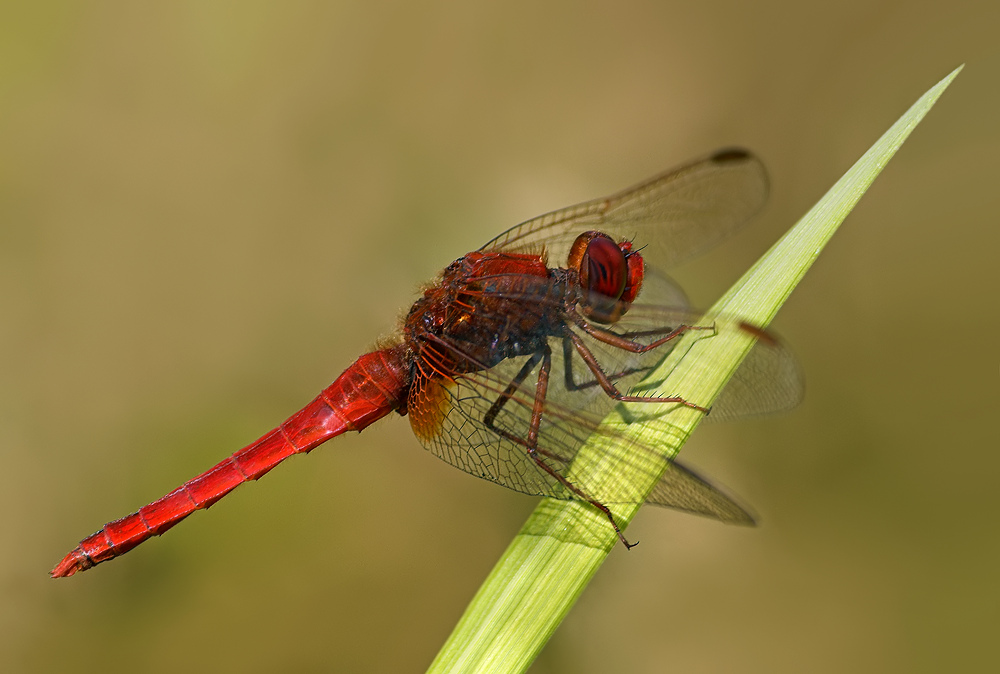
(506, 365)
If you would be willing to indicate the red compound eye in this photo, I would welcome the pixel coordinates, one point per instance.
(610, 275)
(636, 272)
(603, 269)
(600, 263)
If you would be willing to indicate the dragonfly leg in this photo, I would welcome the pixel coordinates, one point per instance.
(512, 388)
(612, 390)
(531, 442)
(570, 380)
(489, 418)
(623, 342)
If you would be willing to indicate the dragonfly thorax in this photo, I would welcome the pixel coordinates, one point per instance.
(487, 307)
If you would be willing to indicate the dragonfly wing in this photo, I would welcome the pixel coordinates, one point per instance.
(679, 214)
(479, 421)
(460, 437)
(479, 418)
(448, 418)
(768, 381)
(683, 489)
(661, 290)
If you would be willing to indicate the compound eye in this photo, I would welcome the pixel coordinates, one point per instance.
(603, 268)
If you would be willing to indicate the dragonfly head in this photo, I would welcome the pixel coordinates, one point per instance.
(610, 275)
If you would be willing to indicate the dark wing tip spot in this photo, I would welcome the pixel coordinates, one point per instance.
(731, 154)
(759, 333)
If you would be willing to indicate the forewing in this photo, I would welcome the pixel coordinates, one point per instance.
(450, 415)
(768, 381)
(673, 216)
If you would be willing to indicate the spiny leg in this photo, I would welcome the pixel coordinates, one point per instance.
(512, 387)
(612, 390)
(623, 342)
(489, 418)
(531, 442)
(570, 380)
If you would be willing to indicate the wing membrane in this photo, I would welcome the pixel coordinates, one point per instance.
(467, 443)
(673, 217)
(676, 215)
(449, 414)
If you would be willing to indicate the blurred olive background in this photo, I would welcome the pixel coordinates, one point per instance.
(208, 210)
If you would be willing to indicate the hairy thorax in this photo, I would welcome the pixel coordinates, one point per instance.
(487, 307)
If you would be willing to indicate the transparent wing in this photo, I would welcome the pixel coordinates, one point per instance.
(681, 488)
(675, 215)
(460, 437)
(460, 418)
(768, 381)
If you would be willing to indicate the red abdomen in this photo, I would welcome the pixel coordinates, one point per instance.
(368, 390)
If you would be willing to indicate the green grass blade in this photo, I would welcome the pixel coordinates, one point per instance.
(563, 543)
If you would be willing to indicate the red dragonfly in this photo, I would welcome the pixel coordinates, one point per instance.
(506, 365)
